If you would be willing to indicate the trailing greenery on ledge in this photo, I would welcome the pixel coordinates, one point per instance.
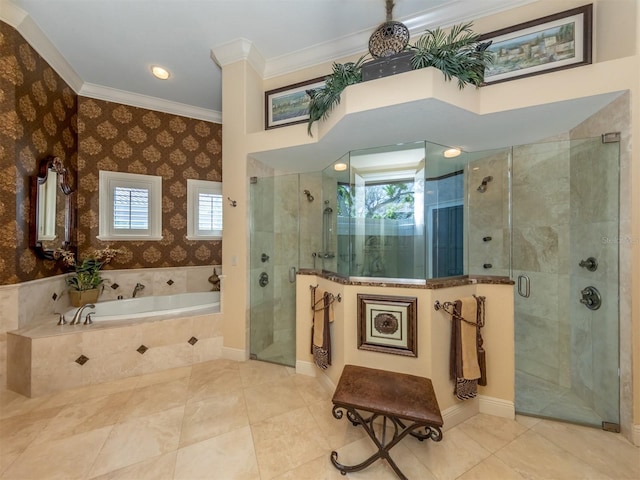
(457, 54)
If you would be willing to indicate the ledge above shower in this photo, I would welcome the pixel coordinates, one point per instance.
(433, 284)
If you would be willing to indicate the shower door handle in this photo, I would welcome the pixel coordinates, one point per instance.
(292, 275)
(524, 286)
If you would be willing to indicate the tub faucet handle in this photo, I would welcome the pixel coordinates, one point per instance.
(87, 319)
(61, 319)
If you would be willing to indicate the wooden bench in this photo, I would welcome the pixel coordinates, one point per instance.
(406, 401)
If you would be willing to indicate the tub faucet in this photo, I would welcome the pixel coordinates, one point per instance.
(78, 315)
(138, 288)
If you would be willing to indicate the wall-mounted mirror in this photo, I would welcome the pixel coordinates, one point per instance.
(51, 217)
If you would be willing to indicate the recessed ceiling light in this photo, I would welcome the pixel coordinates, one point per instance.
(451, 152)
(340, 167)
(159, 72)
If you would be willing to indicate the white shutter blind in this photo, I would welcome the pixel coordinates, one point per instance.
(130, 208)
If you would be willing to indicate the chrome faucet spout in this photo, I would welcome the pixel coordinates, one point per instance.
(78, 315)
(138, 288)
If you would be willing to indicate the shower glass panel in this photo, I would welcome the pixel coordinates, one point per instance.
(274, 252)
(564, 212)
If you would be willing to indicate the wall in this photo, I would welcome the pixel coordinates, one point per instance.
(37, 119)
(433, 340)
(120, 138)
(615, 49)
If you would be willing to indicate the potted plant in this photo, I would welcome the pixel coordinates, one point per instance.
(85, 280)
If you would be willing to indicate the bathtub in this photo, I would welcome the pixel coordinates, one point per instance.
(149, 307)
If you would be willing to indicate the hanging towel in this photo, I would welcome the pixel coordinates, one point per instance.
(322, 309)
(464, 365)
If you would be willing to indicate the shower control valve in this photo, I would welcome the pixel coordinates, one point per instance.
(591, 298)
(590, 264)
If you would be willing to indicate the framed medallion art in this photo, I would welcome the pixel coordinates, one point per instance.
(388, 324)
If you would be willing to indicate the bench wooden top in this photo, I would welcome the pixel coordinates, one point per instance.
(388, 393)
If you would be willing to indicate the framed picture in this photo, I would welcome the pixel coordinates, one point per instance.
(289, 105)
(388, 324)
(548, 44)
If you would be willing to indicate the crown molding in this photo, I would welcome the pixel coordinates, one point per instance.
(356, 43)
(31, 32)
(238, 50)
(109, 94)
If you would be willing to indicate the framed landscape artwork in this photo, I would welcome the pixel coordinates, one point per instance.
(289, 105)
(547, 44)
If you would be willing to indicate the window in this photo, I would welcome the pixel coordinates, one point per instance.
(130, 206)
(204, 210)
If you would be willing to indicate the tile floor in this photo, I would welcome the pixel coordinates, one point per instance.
(254, 420)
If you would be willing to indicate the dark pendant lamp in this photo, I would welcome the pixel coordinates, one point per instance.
(389, 38)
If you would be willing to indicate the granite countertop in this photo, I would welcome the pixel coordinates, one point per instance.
(434, 283)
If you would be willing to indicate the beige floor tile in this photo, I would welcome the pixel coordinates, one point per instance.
(527, 421)
(155, 398)
(139, 439)
(12, 404)
(535, 457)
(608, 452)
(213, 416)
(18, 432)
(490, 431)
(215, 366)
(164, 376)
(256, 373)
(337, 432)
(207, 383)
(451, 457)
(287, 441)
(319, 468)
(86, 415)
(227, 456)
(92, 391)
(69, 458)
(491, 468)
(310, 389)
(271, 399)
(156, 468)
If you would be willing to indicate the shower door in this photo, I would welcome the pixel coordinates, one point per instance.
(274, 257)
(565, 215)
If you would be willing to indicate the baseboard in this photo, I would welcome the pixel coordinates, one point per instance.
(459, 412)
(635, 435)
(305, 368)
(497, 407)
(235, 354)
(326, 381)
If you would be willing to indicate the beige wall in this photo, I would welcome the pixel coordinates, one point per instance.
(616, 68)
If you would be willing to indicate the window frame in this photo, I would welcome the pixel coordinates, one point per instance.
(194, 189)
(108, 181)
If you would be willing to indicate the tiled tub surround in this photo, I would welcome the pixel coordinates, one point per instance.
(50, 358)
(25, 304)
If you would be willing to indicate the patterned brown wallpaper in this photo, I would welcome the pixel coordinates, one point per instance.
(120, 138)
(38, 117)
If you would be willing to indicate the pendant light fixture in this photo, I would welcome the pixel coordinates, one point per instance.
(389, 38)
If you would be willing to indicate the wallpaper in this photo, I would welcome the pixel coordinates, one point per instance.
(38, 117)
(121, 138)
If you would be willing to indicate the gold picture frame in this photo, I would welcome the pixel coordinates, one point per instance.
(289, 105)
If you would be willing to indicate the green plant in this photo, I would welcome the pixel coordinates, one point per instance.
(324, 99)
(86, 274)
(457, 54)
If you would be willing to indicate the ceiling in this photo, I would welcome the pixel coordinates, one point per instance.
(105, 49)
(111, 44)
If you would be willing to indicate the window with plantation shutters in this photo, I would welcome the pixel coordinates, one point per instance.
(130, 206)
(204, 210)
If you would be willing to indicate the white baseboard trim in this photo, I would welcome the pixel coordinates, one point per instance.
(235, 354)
(459, 412)
(497, 407)
(305, 368)
(635, 435)
(326, 381)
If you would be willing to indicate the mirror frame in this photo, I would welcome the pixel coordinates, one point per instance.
(55, 164)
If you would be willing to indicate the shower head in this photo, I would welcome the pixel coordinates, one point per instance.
(483, 186)
(309, 196)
